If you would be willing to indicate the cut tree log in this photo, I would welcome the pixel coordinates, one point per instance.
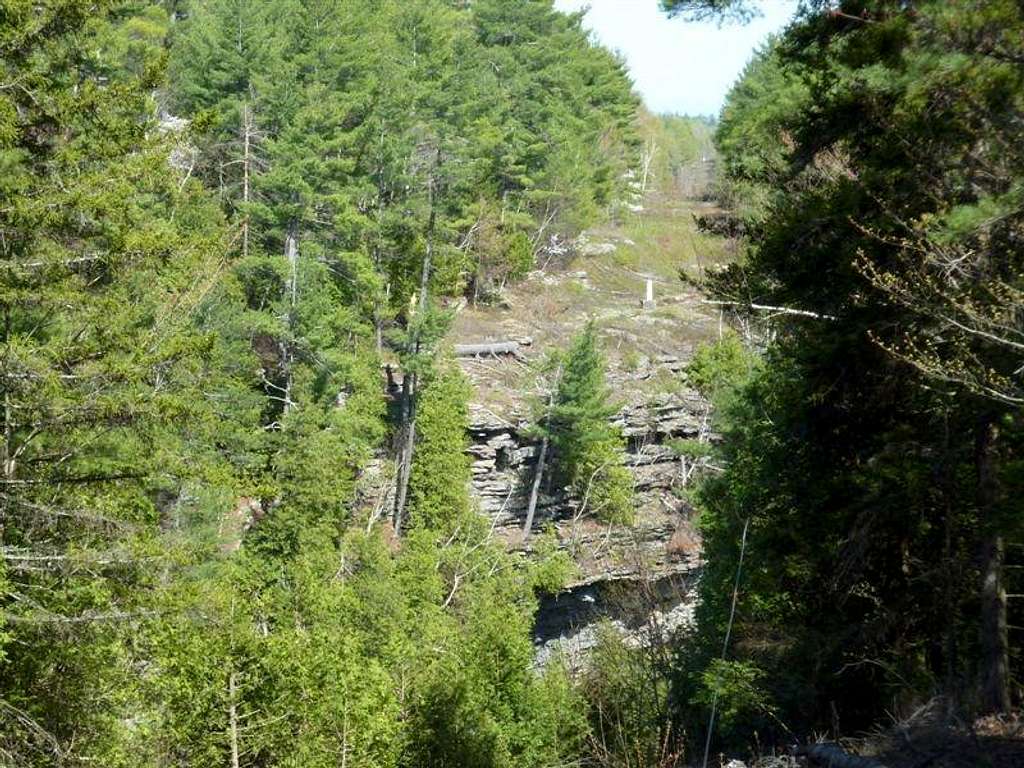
(488, 350)
(834, 756)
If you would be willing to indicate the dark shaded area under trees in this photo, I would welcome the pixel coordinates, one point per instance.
(873, 154)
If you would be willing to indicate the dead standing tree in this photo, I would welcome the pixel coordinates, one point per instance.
(545, 444)
(414, 344)
(245, 151)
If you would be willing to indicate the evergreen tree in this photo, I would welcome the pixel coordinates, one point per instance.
(439, 486)
(876, 454)
(107, 254)
(589, 450)
(192, 394)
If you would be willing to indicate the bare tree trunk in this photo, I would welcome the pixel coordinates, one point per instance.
(8, 446)
(246, 160)
(490, 349)
(941, 478)
(949, 645)
(648, 157)
(995, 660)
(409, 383)
(535, 489)
(404, 472)
(291, 253)
(541, 460)
(405, 449)
(378, 318)
(429, 251)
(233, 718)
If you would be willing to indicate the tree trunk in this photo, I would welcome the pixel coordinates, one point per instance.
(542, 459)
(650, 149)
(995, 661)
(409, 384)
(246, 160)
(405, 450)
(492, 349)
(233, 719)
(8, 446)
(535, 489)
(291, 253)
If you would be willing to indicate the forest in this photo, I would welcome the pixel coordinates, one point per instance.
(235, 238)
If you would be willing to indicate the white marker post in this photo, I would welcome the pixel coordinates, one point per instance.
(648, 302)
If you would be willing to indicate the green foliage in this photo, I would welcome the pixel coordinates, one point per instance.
(858, 449)
(553, 567)
(754, 134)
(351, 652)
(519, 255)
(108, 251)
(439, 484)
(672, 142)
(691, 449)
(589, 451)
(626, 692)
(735, 10)
(720, 367)
(193, 318)
(734, 688)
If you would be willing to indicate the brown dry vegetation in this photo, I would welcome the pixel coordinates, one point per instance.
(551, 304)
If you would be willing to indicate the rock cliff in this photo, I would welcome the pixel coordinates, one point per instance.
(638, 577)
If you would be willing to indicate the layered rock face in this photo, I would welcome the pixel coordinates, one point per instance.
(638, 577)
(504, 458)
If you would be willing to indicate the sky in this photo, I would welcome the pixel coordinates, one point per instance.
(679, 66)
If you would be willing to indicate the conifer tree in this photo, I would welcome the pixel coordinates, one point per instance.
(876, 454)
(589, 450)
(439, 486)
(107, 254)
(192, 390)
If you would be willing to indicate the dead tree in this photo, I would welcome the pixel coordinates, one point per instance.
(492, 349)
(538, 474)
(233, 718)
(247, 132)
(409, 383)
(647, 157)
(291, 253)
(535, 489)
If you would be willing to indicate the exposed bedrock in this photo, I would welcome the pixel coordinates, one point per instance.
(638, 577)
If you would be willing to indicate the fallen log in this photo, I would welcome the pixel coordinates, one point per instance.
(488, 350)
(767, 308)
(834, 756)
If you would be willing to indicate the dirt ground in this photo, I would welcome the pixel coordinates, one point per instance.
(603, 278)
(928, 740)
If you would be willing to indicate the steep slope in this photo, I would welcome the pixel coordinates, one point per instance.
(603, 276)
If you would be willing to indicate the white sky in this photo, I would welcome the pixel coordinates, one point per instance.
(679, 66)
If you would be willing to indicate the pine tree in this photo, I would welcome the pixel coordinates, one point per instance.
(589, 450)
(439, 485)
(107, 253)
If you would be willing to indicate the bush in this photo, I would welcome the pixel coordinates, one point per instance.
(734, 689)
(720, 366)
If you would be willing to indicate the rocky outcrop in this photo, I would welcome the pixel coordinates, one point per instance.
(644, 610)
(638, 577)
(504, 457)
